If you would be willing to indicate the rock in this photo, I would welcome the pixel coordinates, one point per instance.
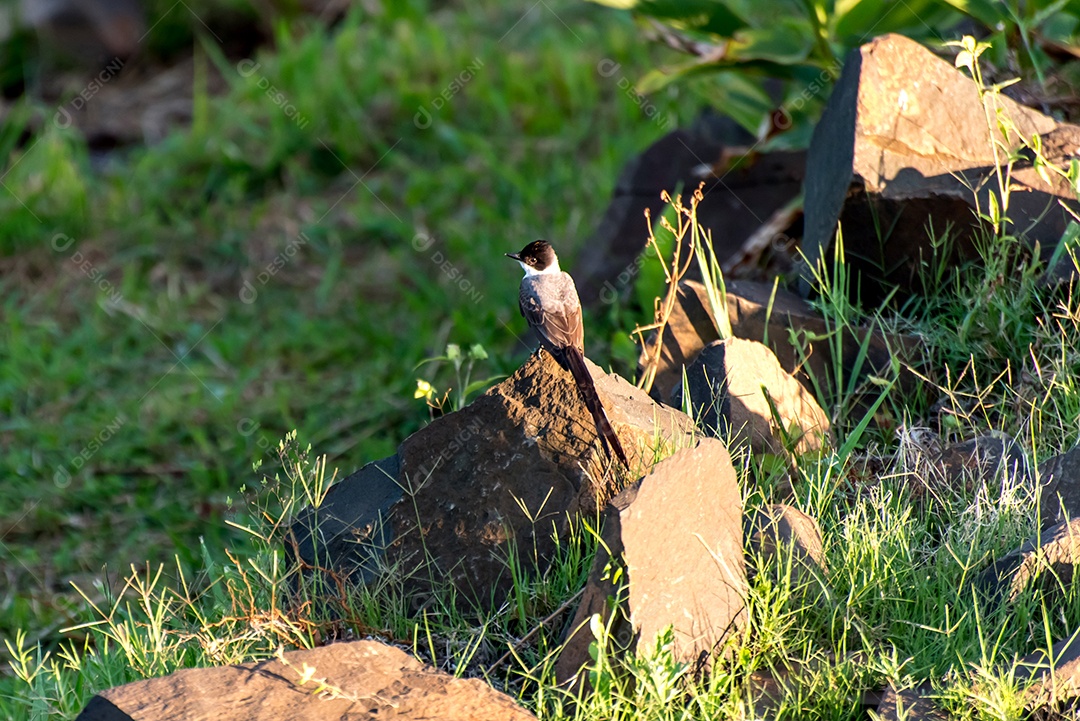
(1048, 560)
(512, 468)
(677, 536)
(913, 704)
(1054, 680)
(1060, 492)
(774, 690)
(902, 139)
(988, 459)
(350, 530)
(777, 530)
(728, 383)
(736, 203)
(89, 30)
(810, 356)
(356, 680)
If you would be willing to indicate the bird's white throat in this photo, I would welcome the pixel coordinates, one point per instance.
(552, 269)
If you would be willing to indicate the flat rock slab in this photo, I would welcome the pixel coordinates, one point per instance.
(677, 536)
(356, 680)
(900, 143)
(731, 384)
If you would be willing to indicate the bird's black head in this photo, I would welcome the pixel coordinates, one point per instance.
(538, 255)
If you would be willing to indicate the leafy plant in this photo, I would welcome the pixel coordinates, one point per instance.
(800, 46)
(463, 386)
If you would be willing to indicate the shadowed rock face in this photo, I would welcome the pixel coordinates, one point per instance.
(1060, 493)
(677, 536)
(1054, 680)
(902, 141)
(363, 680)
(736, 201)
(500, 476)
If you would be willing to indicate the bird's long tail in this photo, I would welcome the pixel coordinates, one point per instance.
(575, 361)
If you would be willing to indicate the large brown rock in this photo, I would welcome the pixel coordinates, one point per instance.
(516, 466)
(901, 142)
(512, 468)
(731, 384)
(357, 680)
(677, 536)
(1060, 491)
(790, 326)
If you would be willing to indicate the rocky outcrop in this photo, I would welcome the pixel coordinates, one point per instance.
(901, 143)
(516, 466)
(671, 554)
(739, 393)
(357, 680)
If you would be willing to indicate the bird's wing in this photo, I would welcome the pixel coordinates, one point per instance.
(559, 325)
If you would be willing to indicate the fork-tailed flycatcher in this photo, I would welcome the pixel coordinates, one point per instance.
(549, 302)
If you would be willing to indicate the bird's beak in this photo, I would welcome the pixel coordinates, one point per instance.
(515, 256)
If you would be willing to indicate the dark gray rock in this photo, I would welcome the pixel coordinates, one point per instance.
(737, 201)
(915, 704)
(360, 680)
(728, 382)
(1054, 679)
(676, 535)
(350, 530)
(1060, 492)
(1046, 562)
(988, 459)
(902, 140)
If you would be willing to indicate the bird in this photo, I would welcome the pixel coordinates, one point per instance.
(549, 301)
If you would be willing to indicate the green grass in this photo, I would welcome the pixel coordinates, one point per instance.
(155, 345)
(129, 349)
